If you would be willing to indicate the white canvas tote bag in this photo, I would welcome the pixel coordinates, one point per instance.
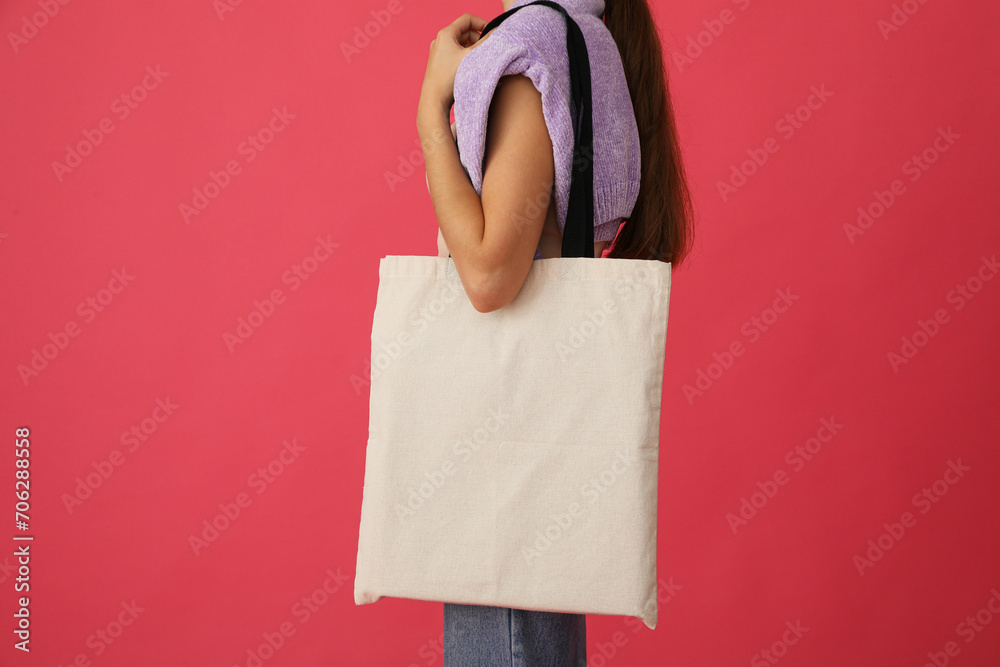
(512, 456)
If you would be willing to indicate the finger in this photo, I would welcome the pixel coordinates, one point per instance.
(469, 38)
(469, 22)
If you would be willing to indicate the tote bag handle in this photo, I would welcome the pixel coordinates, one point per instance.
(578, 234)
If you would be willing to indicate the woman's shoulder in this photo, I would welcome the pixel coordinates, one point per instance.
(538, 32)
(536, 27)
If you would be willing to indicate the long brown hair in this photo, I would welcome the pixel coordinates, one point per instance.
(661, 225)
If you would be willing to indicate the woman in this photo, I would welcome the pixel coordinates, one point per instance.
(494, 220)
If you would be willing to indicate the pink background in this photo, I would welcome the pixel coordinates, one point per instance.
(161, 338)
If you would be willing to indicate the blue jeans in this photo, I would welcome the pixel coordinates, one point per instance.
(482, 636)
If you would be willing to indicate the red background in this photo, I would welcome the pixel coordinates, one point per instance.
(296, 377)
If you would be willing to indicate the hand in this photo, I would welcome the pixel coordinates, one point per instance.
(452, 44)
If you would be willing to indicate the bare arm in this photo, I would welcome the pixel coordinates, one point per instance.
(441, 245)
(492, 239)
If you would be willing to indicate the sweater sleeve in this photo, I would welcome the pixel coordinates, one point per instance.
(527, 43)
(533, 42)
(475, 82)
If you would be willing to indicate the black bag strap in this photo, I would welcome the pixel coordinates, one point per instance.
(578, 234)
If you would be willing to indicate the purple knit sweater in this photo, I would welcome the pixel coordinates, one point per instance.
(532, 41)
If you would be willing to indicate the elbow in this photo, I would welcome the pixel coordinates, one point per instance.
(490, 291)
(484, 306)
(488, 306)
(486, 300)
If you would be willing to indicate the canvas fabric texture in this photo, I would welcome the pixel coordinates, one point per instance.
(490, 475)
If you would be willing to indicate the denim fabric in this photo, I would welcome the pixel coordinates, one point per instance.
(483, 636)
